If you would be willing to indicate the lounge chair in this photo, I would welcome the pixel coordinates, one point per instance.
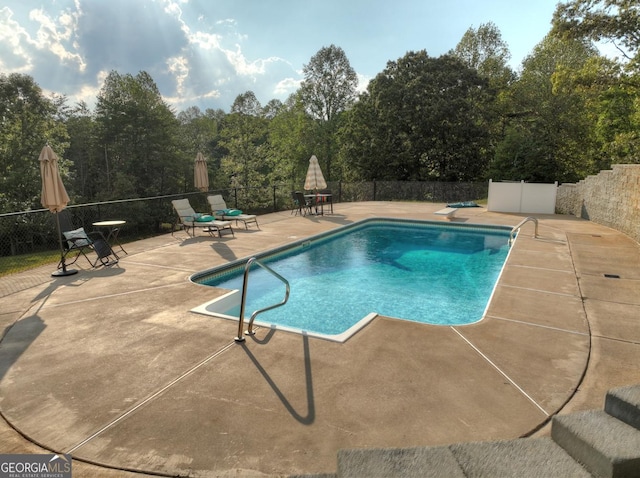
(77, 240)
(189, 219)
(220, 211)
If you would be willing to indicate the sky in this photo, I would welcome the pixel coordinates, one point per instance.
(205, 53)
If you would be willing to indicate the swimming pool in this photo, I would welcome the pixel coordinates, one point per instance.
(420, 271)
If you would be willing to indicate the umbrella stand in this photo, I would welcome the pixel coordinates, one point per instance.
(64, 271)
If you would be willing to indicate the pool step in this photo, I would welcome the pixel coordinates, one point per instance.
(624, 404)
(606, 441)
(523, 458)
(603, 443)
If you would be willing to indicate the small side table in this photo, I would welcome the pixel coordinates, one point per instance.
(114, 230)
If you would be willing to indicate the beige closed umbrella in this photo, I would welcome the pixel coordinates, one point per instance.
(315, 179)
(200, 173)
(54, 197)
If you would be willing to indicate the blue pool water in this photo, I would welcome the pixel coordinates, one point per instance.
(425, 272)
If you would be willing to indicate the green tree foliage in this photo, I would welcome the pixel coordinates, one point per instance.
(485, 51)
(28, 121)
(244, 137)
(611, 87)
(422, 118)
(138, 132)
(328, 89)
(611, 98)
(549, 134)
(291, 143)
(617, 21)
(84, 152)
(200, 132)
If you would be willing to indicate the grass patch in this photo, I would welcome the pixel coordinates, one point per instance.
(24, 262)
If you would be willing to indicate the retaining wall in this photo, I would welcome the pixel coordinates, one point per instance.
(611, 198)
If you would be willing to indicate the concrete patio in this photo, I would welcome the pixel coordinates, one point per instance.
(111, 366)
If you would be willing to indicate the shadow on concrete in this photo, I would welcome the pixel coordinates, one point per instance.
(17, 339)
(311, 408)
(224, 251)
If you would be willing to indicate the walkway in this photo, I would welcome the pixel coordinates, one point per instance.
(110, 366)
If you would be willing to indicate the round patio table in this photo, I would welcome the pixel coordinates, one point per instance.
(114, 230)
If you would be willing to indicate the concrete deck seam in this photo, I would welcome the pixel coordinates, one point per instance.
(158, 266)
(615, 339)
(109, 296)
(520, 389)
(542, 268)
(542, 326)
(151, 397)
(601, 276)
(563, 294)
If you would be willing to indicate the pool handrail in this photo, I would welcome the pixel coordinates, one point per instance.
(522, 223)
(247, 268)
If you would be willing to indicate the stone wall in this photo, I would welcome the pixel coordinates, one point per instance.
(611, 198)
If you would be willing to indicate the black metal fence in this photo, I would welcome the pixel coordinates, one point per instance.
(25, 232)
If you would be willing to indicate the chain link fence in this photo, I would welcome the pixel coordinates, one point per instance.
(27, 232)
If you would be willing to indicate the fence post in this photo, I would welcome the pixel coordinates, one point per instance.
(275, 205)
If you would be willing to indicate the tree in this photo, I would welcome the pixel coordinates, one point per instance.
(485, 51)
(549, 133)
(328, 89)
(597, 20)
(244, 136)
(139, 136)
(28, 121)
(422, 118)
(291, 142)
(84, 152)
(611, 86)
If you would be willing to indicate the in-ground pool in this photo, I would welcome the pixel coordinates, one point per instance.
(420, 271)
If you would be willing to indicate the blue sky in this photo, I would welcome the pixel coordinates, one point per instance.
(206, 52)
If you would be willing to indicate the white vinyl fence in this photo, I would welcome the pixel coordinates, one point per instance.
(522, 197)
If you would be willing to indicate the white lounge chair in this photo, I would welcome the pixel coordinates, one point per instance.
(189, 219)
(220, 211)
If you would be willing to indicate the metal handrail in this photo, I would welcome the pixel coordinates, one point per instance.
(522, 223)
(247, 268)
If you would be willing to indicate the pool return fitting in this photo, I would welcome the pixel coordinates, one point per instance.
(245, 281)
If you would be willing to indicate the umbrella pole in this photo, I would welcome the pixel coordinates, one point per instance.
(64, 271)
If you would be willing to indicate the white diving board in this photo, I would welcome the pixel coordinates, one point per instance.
(448, 212)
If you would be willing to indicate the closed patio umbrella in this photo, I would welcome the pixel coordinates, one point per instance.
(315, 179)
(54, 197)
(200, 173)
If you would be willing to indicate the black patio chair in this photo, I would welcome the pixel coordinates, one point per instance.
(79, 241)
(302, 205)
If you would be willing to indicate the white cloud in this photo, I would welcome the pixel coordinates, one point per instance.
(179, 67)
(14, 43)
(286, 87)
(363, 82)
(54, 39)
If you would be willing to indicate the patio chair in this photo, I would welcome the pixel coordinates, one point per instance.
(189, 219)
(81, 242)
(303, 204)
(221, 212)
(296, 205)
